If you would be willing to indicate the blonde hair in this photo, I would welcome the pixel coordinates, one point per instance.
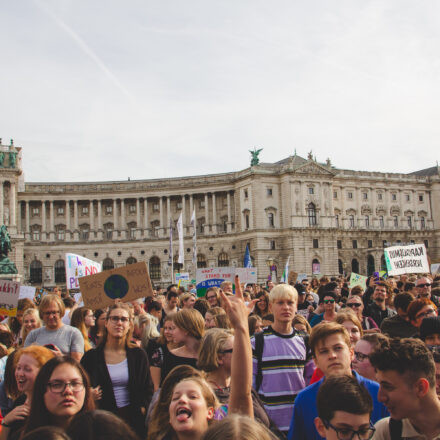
(185, 297)
(299, 319)
(283, 291)
(78, 320)
(24, 332)
(191, 321)
(212, 343)
(129, 310)
(48, 300)
(349, 315)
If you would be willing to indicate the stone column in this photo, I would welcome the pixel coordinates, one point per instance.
(206, 214)
(115, 219)
(75, 221)
(229, 223)
(191, 205)
(138, 213)
(12, 206)
(161, 231)
(168, 211)
(123, 220)
(92, 219)
(27, 230)
(183, 214)
(214, 215)
(67, 219)
(52, 221)
(100, 227)
(43, 221)
(146, 225)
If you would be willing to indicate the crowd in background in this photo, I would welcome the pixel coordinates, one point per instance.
(243, 361)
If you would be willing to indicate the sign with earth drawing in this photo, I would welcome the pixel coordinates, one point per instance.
(126, 283)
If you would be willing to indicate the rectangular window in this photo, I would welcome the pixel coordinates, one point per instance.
(350, 195)
(393, 197)
(60, 235)
(35, 211)
(420, 197)
(245, 193)
(272, 245)
(355, 244)
(132, 209)
(179, 205)
(85, 209)
(36, 235)
(155, 207)
(315, 243)
(426, 243)
(396, 221)
(269, 192)
(337, 220)
(339, 244)
(367, 221)
(202, 203)
(109, 209)
(370, 244)
(409, 220)
(379, 196)
(384, 243)
(381, 222)
(407, 197)
(311, 190)
(335, 194)
(132, 232)
(60, 211)
(84, 234)
(351, 220)
(365, 196)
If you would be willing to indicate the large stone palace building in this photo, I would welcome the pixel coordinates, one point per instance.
(327, 220)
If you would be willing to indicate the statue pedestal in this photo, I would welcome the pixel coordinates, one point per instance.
(11, 277)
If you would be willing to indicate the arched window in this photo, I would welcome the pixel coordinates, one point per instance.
(201, 261)
(316, 267)
(223, 260)
(155, 273)
(108, 264)
(340, 267)
(311, 211)
(60, 272)
(355, 265)
(176, 265)
(370, 265)
(131, 260)
(36, 272)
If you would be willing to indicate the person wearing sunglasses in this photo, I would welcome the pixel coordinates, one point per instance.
(423, 287)
(420, 309)
(357, 306)
(328, 301)
(344, 410)
(119, 370)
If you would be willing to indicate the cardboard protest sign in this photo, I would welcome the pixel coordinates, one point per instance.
(248, 275)
(406, 259)
(301, 276)
(77, 267)
(213, 277)
(27, 292)
(357, 280)
(293, 276)
(126, 283)
(9, 292)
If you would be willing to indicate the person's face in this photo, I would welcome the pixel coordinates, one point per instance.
(306, 284)
(424, 312)
(89, 319)
(433, 339)
(423, 286)
(30, 322)
(283, 309)
(329, 304)
(26, 372)
(118, 323)
(333, 356)
(225, 355)
(259, 326)
(179, 335)
(301, 297)
(353, 331)
(361, 362)
(52, 316)
(156, 313)
(172, 303)
(396, 394)
(262, 304)
(209, 320)
(270, 285)
(380, 294)
(402, 313)
(189, 303)
(189, 412)
(67, 403)
(437, 378)
(168, 330)
(227, 288)
(356, 305)
(212, 298)
(102, 320)
(19, 316)
(343, 421)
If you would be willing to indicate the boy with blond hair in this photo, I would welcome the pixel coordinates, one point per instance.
(281, 360)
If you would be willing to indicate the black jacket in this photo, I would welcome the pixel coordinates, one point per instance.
(140, 387)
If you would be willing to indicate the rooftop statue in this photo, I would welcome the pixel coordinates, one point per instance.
(255, 160)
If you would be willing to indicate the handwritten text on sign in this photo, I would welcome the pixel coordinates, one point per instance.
(126, 283)
(77, 267)
(9, 292)
(406, 259)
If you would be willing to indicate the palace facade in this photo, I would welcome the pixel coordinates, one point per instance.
(327, 220)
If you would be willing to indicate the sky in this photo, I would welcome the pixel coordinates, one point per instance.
(97, 90)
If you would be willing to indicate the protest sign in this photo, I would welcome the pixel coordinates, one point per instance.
(9, 292)
(435, 269)
(248, 275)
(183, 276)
(406, 259)
(301, 276)
(357, 280)
(293, 276)
(126, 283)
(213, 277)
(27, 292)
(77, 267)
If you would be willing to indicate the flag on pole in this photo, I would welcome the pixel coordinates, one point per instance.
(193, 224)
(247, 258)
(286, 272)
(180, 235)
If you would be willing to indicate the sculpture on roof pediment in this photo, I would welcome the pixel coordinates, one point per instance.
(312, 168)
(310, 155)
(365, 209)
(395, 209)
(255, 153)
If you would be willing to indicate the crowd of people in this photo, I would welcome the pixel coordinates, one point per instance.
(312, 360)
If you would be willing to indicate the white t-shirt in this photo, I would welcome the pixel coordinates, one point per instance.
(119, 377)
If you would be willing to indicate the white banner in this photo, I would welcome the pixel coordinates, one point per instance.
(9, 291)
(77, 267)
(406, 259)
(27, 292)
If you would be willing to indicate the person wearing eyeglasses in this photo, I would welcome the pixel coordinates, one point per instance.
(55, 335)
(405, 370)
(362, 350)
(344, 410)
(328, 301)
(61, 391)
(120, 371)
(420, 309)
